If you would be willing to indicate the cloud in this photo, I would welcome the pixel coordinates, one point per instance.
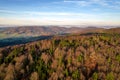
(81, 3)
(55, 18)
(103, 3)
(44, 13)
(7, 11)
(36, 15)
(58, 15)
(4, 21)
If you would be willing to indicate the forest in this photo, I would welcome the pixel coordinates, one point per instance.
(90, 56)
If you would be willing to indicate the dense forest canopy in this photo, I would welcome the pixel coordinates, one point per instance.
(93, 56)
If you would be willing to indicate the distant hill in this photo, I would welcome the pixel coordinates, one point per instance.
(113, 30)
(42, 30)
(24, 34)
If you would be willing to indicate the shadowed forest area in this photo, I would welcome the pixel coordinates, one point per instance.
(72, 57)
(21, 40)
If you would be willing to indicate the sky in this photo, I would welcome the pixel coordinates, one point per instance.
(60, 12)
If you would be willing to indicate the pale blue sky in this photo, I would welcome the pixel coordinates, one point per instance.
(60, 12)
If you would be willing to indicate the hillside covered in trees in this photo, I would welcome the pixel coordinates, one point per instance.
(92, 56)
(35, 31)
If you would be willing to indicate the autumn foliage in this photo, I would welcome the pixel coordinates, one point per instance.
(93, 56)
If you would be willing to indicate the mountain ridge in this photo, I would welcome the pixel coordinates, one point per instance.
(43, 30)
